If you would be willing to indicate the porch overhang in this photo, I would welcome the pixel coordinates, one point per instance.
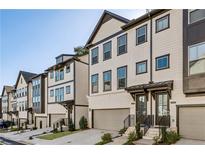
(154, 86)
(67, 104)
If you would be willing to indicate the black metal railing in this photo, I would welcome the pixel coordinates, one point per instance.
(163, 122)
(129, 121)
(147, 123)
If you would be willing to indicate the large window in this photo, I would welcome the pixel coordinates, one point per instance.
(107, 80)
(59, 94)
(141, 35)
(122, 44)
(59, 75)
(141, 67)
(197, 59)
(162, 62)
(107, 47)
(94, 82)
(122, 77)
(162, 104)
(51, 75)
(67, 89)
(94, 54)
(51, 93)
(196, 15)
(162, 23)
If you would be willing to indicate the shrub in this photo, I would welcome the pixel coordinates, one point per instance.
(34, 128)
(83, 123)
(71, 126)
(132, 136)
(156, 140)
(106, 138)
(122, 131)
(44, 132)
(164, 134)
(14, 129)
(55, 130)
(30, 137)
(172, 137)
(138, 132)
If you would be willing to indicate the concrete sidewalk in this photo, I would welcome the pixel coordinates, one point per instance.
(184, 141)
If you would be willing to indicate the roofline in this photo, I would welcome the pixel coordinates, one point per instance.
(41, 74)
(65, 55)
(142, 18)
(118, 17)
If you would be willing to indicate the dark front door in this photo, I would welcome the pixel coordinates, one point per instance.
(40, 124)
(162, 109)
(141, 108)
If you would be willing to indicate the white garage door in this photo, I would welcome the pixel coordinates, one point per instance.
(192, 122)
(111, 119)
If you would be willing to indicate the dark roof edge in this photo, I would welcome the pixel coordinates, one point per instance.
(65, 55)
(141, 18)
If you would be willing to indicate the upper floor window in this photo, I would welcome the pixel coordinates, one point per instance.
(94, 54)
(162, 23)
(107, 80)
(59, 94)
(51, 75)
(59, 60)
(107, 47)
(122, 77)
(67, 89)
(67, 68)
(61, 74)
(141, 35)
(141, 67)
(196, 15)
(94, 83)
(122, 44)
(197, 59)
(162, 62)
(51, 93)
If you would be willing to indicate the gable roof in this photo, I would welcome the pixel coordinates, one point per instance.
(26, 75)
(7, 88)
(105, 17)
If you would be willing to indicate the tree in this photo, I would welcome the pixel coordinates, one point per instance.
(80, 51)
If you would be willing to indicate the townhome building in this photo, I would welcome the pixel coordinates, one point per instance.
(0, 109)
(23, 97)
(37, 111)
(67, 88)
(149, 70)
(5, 100)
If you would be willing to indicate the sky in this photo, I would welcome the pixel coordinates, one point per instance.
(31, 39)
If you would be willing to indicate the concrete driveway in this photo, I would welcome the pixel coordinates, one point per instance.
(86, 137)
(184, 141)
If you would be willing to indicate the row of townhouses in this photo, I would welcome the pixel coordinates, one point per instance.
(149, 70)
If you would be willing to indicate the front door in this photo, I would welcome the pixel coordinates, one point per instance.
(162, 109)
(141, 108)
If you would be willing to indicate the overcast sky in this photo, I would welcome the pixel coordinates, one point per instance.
(31, 39)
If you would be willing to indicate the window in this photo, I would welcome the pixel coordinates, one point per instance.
(162, 62)
(67, 68)
(162, 104)
(197, 59)
(59, 94)
(67, 89)
(107, 81)
(107, 47)
(141, 67)
(59, 60)
(51, 75)
(94, 82)
(196, 15)
(122, 77)
(141, 34)
(162, 23)
(61, 74)
(94, 53)
(56, 75)
(51, 93)
(122, 44)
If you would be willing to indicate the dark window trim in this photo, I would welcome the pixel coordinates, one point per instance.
(139, 63)
(189, 23)
(97, 56)
(157, 69)
(110, 50)
(156, 31)
(69, 89)
(97, 84)
(145, 34)
(126, 77)
(110, 81)
(117, 45)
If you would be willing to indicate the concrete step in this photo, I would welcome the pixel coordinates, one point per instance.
(144, 142)
(147, 137)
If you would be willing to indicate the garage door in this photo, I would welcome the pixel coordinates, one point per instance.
(110, 119)
(192, 122)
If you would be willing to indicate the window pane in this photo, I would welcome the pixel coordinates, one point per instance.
(121, 76)
(94, 82)
(122, 44)
(162, 62)
(107, 80)
(141, 67)
(107, 50)
(94, 55)
(162, 23)
(197, 15)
